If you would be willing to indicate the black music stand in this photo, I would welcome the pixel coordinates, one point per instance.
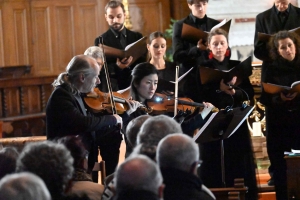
(221, 126)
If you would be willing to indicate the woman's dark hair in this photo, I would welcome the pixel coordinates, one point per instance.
(217, 31)
(76, 147)
(153, 36)
(281, 35)
(138, 73)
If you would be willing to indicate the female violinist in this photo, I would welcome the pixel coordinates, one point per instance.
(110, 140)
(143, 86)
(283, 109)
(239, 161)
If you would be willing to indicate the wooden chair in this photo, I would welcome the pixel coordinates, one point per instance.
(100, 166)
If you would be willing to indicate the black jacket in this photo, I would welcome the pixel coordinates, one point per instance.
(65, 116)
(185, 53)
(120, 78)
(182, 185)
(135, 195)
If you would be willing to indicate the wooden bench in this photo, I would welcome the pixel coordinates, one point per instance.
(20, 142)
(22, 105)
(237, 192)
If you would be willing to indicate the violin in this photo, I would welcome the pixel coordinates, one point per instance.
(101, 102)
(161, 103)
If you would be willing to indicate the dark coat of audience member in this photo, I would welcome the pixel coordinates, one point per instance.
(178, 158)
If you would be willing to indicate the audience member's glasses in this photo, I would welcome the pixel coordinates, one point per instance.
(198, 163)
(86, 155)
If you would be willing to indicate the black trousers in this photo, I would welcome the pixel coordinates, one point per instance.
(283, 134)
(238, 160)
(108, 142)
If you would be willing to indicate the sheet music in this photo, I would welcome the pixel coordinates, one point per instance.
(182, 76)
(219, 25)
(205, 125)
(130, 45)
(124, 90)
(249, 109)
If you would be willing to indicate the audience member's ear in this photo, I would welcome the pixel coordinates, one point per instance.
(113, 189)
(194, 168)
(161, 191)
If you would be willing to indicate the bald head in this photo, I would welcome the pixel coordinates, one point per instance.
(138, 173)
(177, 151)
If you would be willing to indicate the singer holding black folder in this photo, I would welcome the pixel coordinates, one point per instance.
(185, 52)
(283, 108)
(239, 161)
(118, 36)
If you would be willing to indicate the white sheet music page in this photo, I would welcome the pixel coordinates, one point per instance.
(205, 125)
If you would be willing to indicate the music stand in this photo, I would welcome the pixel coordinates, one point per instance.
(220, 126)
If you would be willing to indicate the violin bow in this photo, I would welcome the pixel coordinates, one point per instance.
(176, 91)
(112, 102)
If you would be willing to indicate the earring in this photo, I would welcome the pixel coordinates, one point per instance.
(227, 53)
(210, 55)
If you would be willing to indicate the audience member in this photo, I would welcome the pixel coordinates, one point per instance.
(156, 128)
(8, 159)
(178, 158)
(52, 162)
(23, 186)
(138, 178)
(132, 131)
(81, 182)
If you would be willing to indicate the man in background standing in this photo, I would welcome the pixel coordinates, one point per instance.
(117, 36)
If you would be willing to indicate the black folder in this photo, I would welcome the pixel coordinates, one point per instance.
(222, 125)
(239, 69)
(193, 34)
(136, 50)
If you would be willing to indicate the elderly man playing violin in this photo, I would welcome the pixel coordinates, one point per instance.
(107, 139)
(65, 111)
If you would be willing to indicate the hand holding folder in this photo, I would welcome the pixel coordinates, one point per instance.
(221, 125)
(240, 69)
(275, 89)
(136, 50)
